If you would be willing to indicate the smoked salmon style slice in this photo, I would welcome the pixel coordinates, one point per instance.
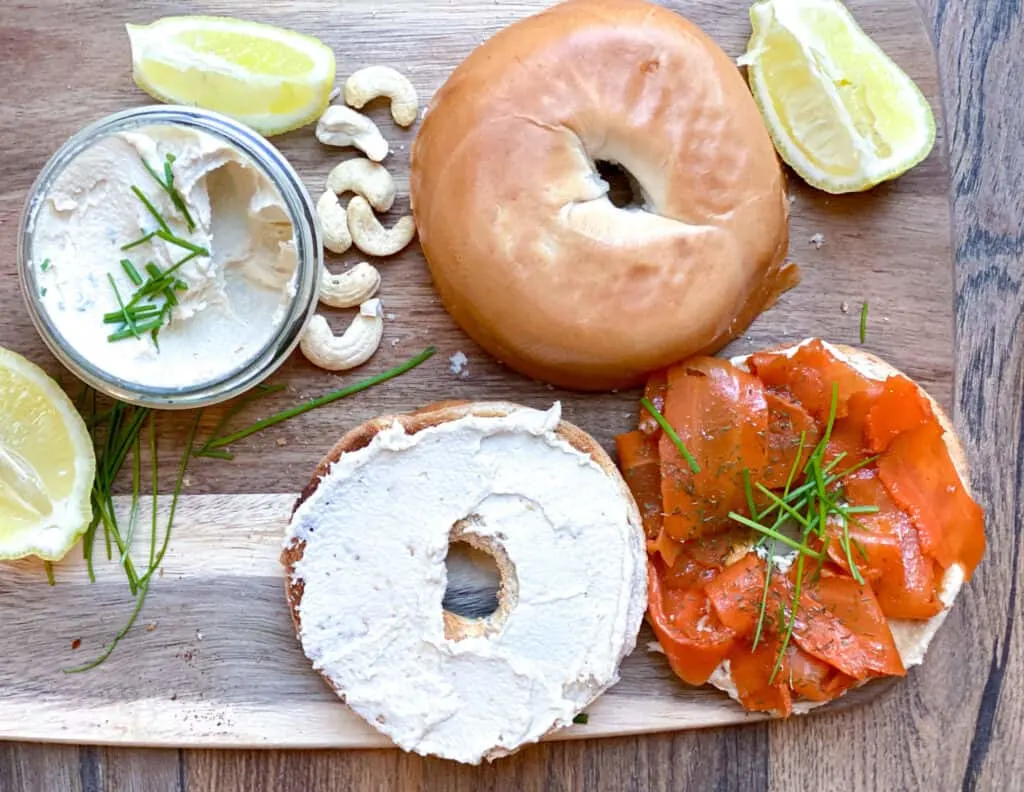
(654, 391)
(902, 578)
(668, 548)
(813, 679)
(751, 670)
(699, 561)
(839, 622)
(736, 594)
(695, 643)
(847, 438)
(787, 420)
(641, 469)
(807, 375)
(721, 416)
(898, 407)
(920, 476)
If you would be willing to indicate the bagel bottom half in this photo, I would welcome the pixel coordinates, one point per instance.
(911, 637)
(365, 558)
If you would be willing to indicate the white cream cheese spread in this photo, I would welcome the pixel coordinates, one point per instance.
(376, 533)
(236, 297)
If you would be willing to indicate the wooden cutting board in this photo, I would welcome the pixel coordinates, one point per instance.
(213, 660)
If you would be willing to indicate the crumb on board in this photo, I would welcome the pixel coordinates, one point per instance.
(394, 342)
(390, 317)
(76, 643)
(457, 364)
(281, 442)
(654, 646)
(844, 307)
(199, 635)
(817, 240)
(150, 627)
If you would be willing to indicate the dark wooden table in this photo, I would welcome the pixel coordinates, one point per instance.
(956, 723)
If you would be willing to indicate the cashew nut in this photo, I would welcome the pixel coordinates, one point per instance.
(355, 346)
(370, 236)
(367, 84)
(343, 126)
(350, 288)
(333, 223)
(365, 178)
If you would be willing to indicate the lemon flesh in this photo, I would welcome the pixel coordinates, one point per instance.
(47, 464)
(841, 113)
(266, 77)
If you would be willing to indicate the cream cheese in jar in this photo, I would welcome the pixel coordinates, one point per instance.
(169, 203)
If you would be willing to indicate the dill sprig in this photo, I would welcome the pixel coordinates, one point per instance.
(809, 507)
(666, 427)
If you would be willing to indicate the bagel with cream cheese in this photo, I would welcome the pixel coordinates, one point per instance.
(365, 558)
(528, 253)
(914, 534)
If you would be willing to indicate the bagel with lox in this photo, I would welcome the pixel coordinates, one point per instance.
(809, 521)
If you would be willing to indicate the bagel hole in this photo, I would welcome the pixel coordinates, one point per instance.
(623, 188)
(473, 581)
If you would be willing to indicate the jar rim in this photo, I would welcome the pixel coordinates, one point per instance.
(309, 257)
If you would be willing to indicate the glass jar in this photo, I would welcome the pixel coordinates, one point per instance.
(267, 160)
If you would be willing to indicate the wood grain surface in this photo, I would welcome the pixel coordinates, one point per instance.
(925, 733)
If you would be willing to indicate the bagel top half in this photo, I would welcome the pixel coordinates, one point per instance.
(529, 254)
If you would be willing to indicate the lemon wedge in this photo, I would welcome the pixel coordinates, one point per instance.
(269, 78)
(841, 113)
(47, 464)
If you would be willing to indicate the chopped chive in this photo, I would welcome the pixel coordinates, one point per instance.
(136, 312)
(151, 209)
(863, 321)
(180, 263)
(803, 549)
(45, 265)
(140, 241)
(327, 398)
(42, 292)
(215, 453)
(48, 565)
(781, 503)
(749, 493)
(127, 318)
(582, 718)
(792, 618)
(131, 272)
(180, 285)
(167, 185)
(666, 427)
(136, 330)
(167, 236)
(175, 496)
(857, 509)
(169, 295)
(860, 548)
(764, 601)
(796, 462)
